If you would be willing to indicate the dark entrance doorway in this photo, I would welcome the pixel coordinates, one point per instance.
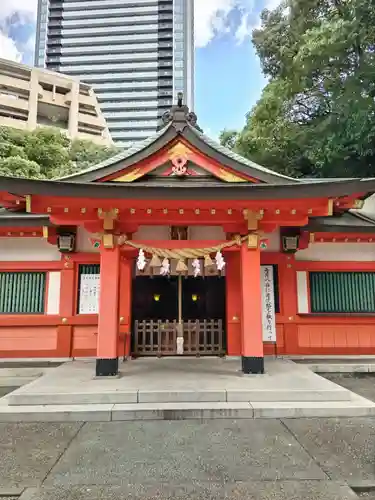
(166, 308)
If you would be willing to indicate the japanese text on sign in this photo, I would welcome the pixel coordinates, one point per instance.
(268, 304)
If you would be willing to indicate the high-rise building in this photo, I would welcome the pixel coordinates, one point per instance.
(35, 97)
(136, 54)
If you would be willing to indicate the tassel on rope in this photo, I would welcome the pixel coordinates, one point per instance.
(155, 261)
(197, 267)
(141, 261)
(208, 261)
(181, 266)
(220, 262)
(165, 267)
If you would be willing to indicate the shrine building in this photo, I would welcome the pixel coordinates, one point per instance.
(180, 247)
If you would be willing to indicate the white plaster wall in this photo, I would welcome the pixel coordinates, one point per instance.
(302, 292)
(83, 241)
(152, 233)
(206, 233)
(28, 250)
(340, 252)
(195, 233)
(273, 241)
(53, 295)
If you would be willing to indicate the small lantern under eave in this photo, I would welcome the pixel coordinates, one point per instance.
(66, 242)
(290, 243)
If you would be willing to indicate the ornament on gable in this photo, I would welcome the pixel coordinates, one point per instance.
(179, 166)
(179, 156)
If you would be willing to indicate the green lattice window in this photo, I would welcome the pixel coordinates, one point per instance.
(342, 292)
(22, 292)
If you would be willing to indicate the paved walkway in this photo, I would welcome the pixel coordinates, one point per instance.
(310, 459)
(173, 389)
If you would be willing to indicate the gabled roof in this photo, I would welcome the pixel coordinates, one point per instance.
(188, 190)
(347, 222)
(180, 123)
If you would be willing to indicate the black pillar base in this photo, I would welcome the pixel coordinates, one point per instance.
(107, 367)
(252, 365)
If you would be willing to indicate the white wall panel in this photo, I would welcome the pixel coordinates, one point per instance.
(302, 292)
(339, 252)
(53, 295)
(28, 250)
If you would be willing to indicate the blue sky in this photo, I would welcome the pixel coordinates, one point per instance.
(228, 79)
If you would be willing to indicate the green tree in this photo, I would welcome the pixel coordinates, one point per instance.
(228, 138)
(16, 166)
(84, 153)
(316, 116)
(46, 153)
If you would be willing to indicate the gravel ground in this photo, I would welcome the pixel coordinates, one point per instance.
(4, 391)
(360, 383)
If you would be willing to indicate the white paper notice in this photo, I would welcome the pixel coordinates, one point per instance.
(89, 294)
(268, 305)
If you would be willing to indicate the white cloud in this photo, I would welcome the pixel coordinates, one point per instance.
(25, 10)
(271, 4)
(245, 28)
(8, 48)
(212, 19)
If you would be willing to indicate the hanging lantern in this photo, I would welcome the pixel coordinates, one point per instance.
(165, 267)
(197, 267)
(141, 261)
(155, 261)
(220, 262)
(208, 261)
(181, 266)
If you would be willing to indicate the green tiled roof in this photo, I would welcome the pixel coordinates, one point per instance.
(122, 155)
(236, 157)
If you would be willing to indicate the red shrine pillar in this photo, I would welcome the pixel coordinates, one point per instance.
(251, 320)
(108, 325)
(125, 305)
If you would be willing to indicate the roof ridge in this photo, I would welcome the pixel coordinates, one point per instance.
(236, 156)
(122, 155)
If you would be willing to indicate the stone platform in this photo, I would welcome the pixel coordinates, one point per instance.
(174, 388)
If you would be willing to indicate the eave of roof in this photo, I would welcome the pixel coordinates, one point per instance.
(346, 222)
(22, 219)
(187, 191)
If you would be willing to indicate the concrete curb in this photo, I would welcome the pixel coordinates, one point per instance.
(336, 393)
(341, 368)
(357, 407)
(11, 492)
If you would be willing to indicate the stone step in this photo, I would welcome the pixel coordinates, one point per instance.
(30, 372)
(356, 407)
(341, 367)
(27, 397)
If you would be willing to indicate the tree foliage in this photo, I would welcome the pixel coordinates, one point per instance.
(316, 116)
(46, 153)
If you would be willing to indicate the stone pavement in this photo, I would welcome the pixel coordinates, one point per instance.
(310, 459)
(170, 388)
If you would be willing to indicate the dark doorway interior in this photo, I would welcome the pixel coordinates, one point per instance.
(203, 298)
(155, 298)
(155, 314)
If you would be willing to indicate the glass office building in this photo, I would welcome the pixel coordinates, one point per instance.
(137, 54)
